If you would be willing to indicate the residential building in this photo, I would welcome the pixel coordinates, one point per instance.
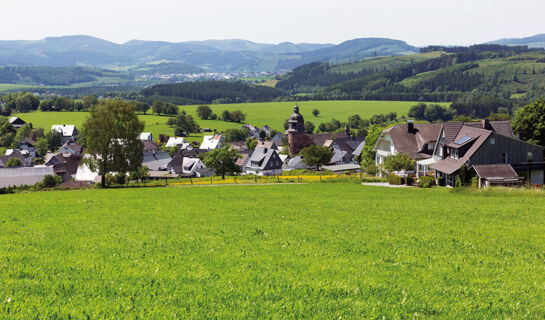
(150, 147)
(264, 161)
(157, 161)
(68, 132)
(175, 142)
(146, 136)
(28, 145)
(16, 122)
(212, 142)
(71, 147)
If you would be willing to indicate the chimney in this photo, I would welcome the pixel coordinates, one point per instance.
(410, 126)
(485, 124)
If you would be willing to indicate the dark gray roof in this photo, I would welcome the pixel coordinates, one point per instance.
(157, 161)
(412, 141)
(495, 171)
(261, 156)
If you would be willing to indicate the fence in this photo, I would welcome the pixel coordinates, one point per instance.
(252, 179)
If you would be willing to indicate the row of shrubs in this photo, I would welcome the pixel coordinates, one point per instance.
(423, 182)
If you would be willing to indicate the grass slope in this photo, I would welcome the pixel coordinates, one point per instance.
(272, 113)
(293, 251)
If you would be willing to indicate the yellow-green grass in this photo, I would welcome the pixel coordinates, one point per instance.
(270, 113)
(321, 251)
(13, 86)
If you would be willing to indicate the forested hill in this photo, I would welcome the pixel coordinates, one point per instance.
(486, 70)
(210, 92)
(56, 76)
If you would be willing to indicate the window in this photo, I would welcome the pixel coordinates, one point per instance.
(492, 140)
(504, 157)
(530, 156)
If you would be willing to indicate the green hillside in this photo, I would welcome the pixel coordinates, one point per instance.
(60, 76)
(465, 73)
(318, 250)
(271, 113)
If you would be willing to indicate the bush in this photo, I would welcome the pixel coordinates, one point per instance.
(394, 179)
(441, 181)
(50, 181)
(120, 178)
(475, 182)
(426, 182)
(458, 182)
(409, 180)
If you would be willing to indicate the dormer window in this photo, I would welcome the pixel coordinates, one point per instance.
(492, 140)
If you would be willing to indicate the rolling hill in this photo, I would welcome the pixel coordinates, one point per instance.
(537, 41)
(210, 55)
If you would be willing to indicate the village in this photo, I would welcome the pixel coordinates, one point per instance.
(444, 154)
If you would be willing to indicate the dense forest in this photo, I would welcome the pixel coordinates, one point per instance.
(55, 76)
(210, 92)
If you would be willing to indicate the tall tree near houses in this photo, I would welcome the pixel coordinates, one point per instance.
(112, 135)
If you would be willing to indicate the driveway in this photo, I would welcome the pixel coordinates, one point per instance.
(385, 184)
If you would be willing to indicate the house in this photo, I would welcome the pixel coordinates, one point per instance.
(21, 176)
(29, 145)
(496, 175)
(68, 132)
(253, 131)
(266, 129)
(242, 161)
(65, 165)
(16, 122)
(175, 142)
(277, 138)
(267, 144)
(146, 136)
(238, 145)
(150, 147)
(157, 161)
(191, 167)
(415, 139)
(84, 173)
(212, 142)
(485, 143)
(264, 161)
(22, 155)
(295, 163)
(71, 147)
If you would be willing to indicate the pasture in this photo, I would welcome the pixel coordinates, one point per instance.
(319, 250)
(272, 113)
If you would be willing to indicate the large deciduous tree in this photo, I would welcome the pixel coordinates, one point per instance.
(530, 121)
(223, 160)
(112, 135)
(398, 162)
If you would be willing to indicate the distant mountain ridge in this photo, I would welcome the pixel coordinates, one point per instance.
(536, 41)
(232, 55)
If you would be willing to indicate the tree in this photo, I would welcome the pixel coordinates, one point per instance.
(223, 160)
(36, 133)
(238, 116)
(309, 127)
(251, 143)
(141, 174)
(398, 162)
(50, 181)
(367, 153)
(54, 140)
(89, 101)
(170, 109)
(316, 155)
(112, 131)
(42, 146)
(315, 112)
(157, 107)
(185, 124)
(14, 162)
(226, 115)
(7, 132)
(232, 135)
(530, 121)
(141, 107)
(204, 112)
(417, 111)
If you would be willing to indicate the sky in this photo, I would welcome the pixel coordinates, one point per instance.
(418, 22)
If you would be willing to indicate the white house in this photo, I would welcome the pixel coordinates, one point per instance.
(175, 141)
(146, 136)
(212, 142)
(67, 131)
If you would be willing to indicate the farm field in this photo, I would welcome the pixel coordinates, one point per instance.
(321, 250)
(272, 113)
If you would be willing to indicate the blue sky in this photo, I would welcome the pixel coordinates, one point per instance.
(419, 23)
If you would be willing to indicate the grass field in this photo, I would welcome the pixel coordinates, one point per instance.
(273, 114)
(324, 250)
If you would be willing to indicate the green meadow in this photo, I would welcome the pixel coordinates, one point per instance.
(271, 113)
(284, 251)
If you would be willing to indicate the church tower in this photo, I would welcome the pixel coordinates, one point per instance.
(297, 138)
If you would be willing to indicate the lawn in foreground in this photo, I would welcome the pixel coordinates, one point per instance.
(272, 113)
(326, 250)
